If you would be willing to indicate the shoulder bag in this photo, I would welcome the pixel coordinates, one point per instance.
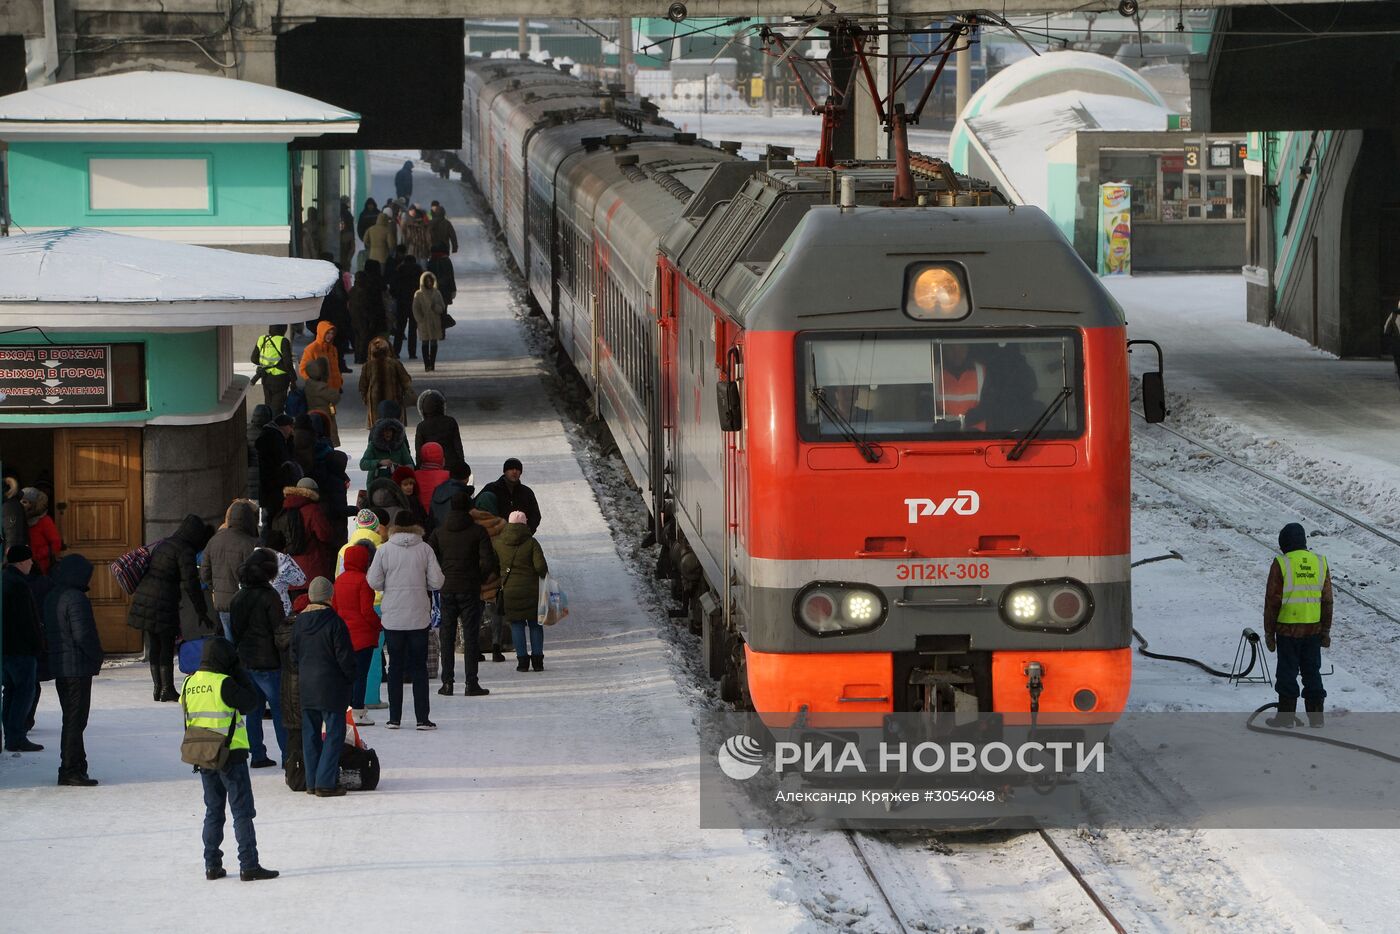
(202, 747)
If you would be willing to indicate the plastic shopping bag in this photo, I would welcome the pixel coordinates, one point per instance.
(553, 604)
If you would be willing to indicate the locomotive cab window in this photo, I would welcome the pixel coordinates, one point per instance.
(885, 385)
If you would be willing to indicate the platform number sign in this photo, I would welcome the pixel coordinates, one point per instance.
(1193, 156)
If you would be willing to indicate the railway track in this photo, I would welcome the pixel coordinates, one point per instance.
(1235, 504)
(900, 884)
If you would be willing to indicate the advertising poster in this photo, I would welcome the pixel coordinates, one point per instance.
(1115, 230)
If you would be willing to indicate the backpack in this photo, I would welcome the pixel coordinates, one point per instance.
(288, 522)
(296, 402)
(131, 567)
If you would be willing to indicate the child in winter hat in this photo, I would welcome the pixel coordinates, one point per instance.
(517, 516)
(366, 519)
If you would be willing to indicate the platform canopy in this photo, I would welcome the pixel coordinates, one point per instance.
(80, 278)
(167, 105)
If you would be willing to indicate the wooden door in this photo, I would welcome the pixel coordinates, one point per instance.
(97, 492)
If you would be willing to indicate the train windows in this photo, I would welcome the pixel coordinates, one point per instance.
(918, 386)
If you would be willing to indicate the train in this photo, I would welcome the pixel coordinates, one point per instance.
(885, 445)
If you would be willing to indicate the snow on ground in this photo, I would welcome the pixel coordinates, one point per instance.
(565, 801)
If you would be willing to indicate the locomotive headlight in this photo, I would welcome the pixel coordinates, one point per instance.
(1023, 605)
(1059, 605)
(936, 292)
(834, 609)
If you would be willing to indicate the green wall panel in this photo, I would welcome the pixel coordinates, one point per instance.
(49, 184)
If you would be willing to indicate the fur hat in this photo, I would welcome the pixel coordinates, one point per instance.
(404, 473)
(366, 519)
(518, 516)
(320, 591)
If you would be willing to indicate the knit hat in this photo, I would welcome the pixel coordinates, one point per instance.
(320, 591)
(17, 553)
(1292, 537)
(306, 483)
(403, 473)
(512, 463)
(460, 502)
(517, 516)
(366, 519)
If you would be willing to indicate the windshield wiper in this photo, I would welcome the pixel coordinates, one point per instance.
(867, 450)
(1032, 432)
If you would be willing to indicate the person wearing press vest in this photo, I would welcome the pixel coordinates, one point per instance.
(1298, 625)
(276, 368)
(218, 698)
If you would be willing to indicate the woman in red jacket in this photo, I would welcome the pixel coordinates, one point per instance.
(44, 541)
(316, 556)
(354, 601)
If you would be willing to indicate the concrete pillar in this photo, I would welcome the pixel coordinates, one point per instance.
(624, 53)
(522, 36)
(964, 67)
(328, 200)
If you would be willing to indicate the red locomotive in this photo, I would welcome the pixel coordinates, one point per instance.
(884, 439)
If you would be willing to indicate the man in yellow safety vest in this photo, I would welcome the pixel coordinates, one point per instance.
(1298, 625)
(219, 696)
(272, 355)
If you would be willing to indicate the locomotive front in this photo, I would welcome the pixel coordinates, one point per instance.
(932, 478)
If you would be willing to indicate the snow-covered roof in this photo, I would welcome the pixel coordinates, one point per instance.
(94, 279)
(1014, 138)
(167, 105)
(1053, 72)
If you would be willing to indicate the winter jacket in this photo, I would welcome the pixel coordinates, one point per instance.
(291, 685)
(440, 265)
(436, 425)
(403, 181)
(24, 633)
(442, 499)
(367, 219)
(441, 231)
(44, 542)
(404, 283)
(15, 530)
(320, 349)
(261, 416)
(155, 606)
(381, 239)
(388, 440)
(227, 551)
(430, 474)
(354, 600)
(256, 615)
(289, 577)
(333, 483)
(368, 537)
(522, 568)
(321, 543)
(404, 570)
(323, 658)
(385, 494)
(367, 314)
(273, 452)
(464, 550)
(416, 236)
(428, 309)
(321, 397)
(70, 629)
(382, 377)
(512, 496)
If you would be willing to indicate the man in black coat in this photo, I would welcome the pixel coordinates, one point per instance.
(511, 494)
(325, 664)
(155, 606)
(403, 181)
(75, 658)
(274, 448)
(464, 550)
(23, 644)
(255, 615)
(447, 489)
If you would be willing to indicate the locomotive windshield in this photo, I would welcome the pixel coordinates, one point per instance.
(884, 385)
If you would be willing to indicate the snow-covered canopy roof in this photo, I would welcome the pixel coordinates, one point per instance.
(1015, 138)
(96, 280)
(167, 105)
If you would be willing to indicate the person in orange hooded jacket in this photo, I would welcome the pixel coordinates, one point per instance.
(323, 347)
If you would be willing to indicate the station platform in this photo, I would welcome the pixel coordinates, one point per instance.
(567, 800)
